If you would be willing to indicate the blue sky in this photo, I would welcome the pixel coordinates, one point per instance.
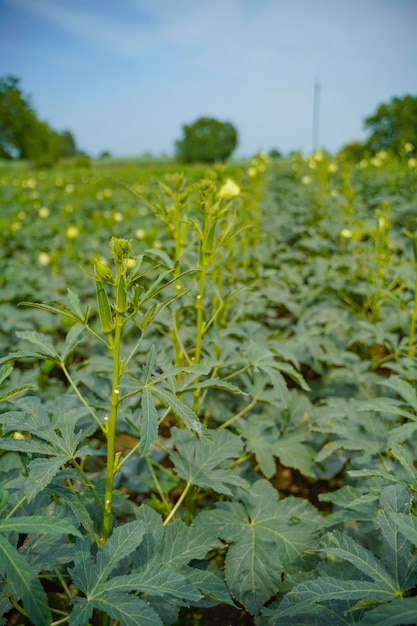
(126, 75)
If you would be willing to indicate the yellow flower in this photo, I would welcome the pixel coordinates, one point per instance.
(157, 244)
(69, 188)
(376, 161)
(44, 258)
(332, 168)
(131, 263)
(412, 162)
(72, 232)
(230, 189)
(345, 232)
(252, 171)
(408, 146)
(118, 217)
(44, 212)
(306, 180)
(140, 233)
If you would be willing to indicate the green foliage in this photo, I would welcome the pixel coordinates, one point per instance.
(221, 412)
(23, 135)
(207, 140)
(393, 125)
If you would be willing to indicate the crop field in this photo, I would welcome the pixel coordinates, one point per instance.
(208, 403)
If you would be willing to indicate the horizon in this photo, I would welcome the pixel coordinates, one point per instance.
(125, 78)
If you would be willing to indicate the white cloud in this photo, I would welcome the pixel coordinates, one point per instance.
(123, 39)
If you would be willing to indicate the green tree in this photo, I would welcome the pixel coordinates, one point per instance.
(17, 119)
(393, 125)
(353, 152)
(23, 135)
(207, 140)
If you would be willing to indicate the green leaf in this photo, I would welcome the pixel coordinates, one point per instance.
(84, 574)
(202, 463)
(30, 446)
(82, 612)
(406, 459)
(4, 499)
(41, 472)
(395, 500)
(398, 612)
(268, 536)
(406, 525)
(25, 584)
(71, 341)
(38, 524)
(154, 581)
(183, 544)
(75, 501)
(129, 610)
(305, 596)
(75, 305)
(58, 308)
(122, 542)
(148, 422)
(15, 391)
(181, 409)
(406, 391)
(149, 364)
(346, 548)
(209, 584)
(42, 341)
(5, 371)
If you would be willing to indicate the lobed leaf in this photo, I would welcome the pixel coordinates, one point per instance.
(38, 524)
(25, 584)
(201, 462)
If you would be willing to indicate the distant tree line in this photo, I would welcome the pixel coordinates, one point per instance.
(23, 135)
(392, 128)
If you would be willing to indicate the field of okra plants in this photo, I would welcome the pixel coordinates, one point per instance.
(208, 403)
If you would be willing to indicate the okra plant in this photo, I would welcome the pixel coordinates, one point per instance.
(173, 460)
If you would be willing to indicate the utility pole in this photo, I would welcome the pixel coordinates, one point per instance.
(316, 115)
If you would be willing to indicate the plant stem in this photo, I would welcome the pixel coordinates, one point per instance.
(178, 503)
(241, 413)
(80, 396)
(111, 430)
(16, 508)
(87, 482)
(411, 336)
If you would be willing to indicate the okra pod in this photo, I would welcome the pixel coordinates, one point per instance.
(121, 297)
(104, 310)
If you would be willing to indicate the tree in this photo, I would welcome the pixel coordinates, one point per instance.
(207, 140)
(353, 152)
(17, 119)
(393, 125)
(23, 135)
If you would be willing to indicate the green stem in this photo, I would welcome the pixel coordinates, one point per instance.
(157, 484)
(178, 503)
(411, 336)
(16, 508)
(111, 431)
(241, 413)
(80, 396)
(87, 482)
